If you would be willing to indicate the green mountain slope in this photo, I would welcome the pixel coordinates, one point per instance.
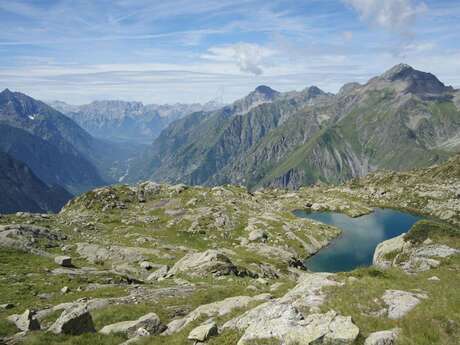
(400, 120)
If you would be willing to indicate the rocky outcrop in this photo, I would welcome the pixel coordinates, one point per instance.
(411, 257)
(220, 308)
(27, 321)
(383, 337)
(149, 323)
(204, 332)
(29, 238)
(75, 320)
(293, 318)
(201, 264)
(386, 250)
(285, 323)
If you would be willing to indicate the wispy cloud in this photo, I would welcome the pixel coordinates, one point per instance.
(185, 50)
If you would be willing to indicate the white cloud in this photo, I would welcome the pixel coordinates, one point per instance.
(248, 57)
(393, 15)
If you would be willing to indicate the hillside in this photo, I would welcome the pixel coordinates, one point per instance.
(161, 264)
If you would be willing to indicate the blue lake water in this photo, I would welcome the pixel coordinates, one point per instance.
(355, 246)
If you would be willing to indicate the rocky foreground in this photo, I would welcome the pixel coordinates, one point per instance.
(158, 264)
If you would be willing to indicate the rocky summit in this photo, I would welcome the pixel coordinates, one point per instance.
(175, 264)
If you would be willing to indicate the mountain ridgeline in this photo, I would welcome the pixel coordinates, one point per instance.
(400, 120)
(128, 121)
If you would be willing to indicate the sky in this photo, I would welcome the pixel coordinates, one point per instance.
(199, 50)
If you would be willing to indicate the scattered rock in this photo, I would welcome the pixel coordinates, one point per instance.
(150, 323)
(65, 290)
(64, 261)
(75, 320)
(27, 321)
(383, 337)
(203, 332)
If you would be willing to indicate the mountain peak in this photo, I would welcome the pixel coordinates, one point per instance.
(266, 91)
(414, 81)
(400, 71)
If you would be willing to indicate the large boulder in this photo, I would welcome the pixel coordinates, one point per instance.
(74, 320)
(282, 321)
(387, 250)
(383, 337)
(201, 264)
(150, 323)
(26, 321)
(203, 332)
(401, 302)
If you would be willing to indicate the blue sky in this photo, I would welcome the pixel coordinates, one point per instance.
(197, 50)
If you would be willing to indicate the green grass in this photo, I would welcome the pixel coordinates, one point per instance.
(434, 321)
(425, 229)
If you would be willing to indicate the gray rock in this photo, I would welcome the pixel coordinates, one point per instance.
(383, 337)
(401, 302)
(150, 323)
(6, 306)
(386, 248)
(201, 264)
(220, 308)
(64, 261)
(203, 332)
(65, 290)
(284, 322)
(434, 279)
(27, 321)
(257, 235)
(160, 273)
(74, 320)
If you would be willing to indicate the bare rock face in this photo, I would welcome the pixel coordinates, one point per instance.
(385, 249)
(383, 337)
(26, 321)
(149, 323)
(208, 262)
(285, 323)
(203, 332)
(75, 320)
(220, 308)
(401, 302)
(284, 318)
(410, 257)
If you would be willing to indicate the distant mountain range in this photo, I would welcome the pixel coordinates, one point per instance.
(128, 121)
(400, 120)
